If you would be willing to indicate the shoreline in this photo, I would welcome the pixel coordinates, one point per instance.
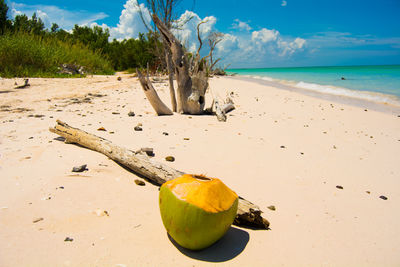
(391, 108)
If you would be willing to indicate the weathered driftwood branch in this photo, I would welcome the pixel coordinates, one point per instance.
(137, 162)
(222, 110)
(26, 84)
(219, 112)
(158, 173)
(151, 94)
(228, 107)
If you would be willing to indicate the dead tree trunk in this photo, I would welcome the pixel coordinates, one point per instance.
(248, 214)
(190, 93)
(152, 96)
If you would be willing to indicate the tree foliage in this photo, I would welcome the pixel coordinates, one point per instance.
(133, 53)
(122, 54)
(4, 22)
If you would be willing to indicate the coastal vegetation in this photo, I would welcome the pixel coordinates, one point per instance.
(27, 55)
(27, 48)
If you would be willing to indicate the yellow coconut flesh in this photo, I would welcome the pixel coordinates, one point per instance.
(197, 210)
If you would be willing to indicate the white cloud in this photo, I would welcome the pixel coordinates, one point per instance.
(258, 48)
(52, 14)
(130, 23)
(264, 36)
(288, 48)
(15, 12)
(187, 32)
(228, 44)
(240, 25)
(45, 18)
(284, 3)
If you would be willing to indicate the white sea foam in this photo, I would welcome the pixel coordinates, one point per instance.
(333, 90)
(267, 79)
(340, 91)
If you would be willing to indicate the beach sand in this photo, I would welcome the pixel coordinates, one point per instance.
(325, 165)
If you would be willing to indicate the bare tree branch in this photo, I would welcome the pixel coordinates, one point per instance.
(151, 94)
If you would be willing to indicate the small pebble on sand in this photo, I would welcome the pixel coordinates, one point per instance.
(170, 158)
(80, 168)
(37, 220)
(139, 182)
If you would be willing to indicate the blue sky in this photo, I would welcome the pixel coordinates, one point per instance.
(258, 33)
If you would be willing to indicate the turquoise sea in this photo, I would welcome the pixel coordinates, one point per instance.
(374, 83)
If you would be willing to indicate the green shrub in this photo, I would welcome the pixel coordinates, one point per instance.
(26, 55)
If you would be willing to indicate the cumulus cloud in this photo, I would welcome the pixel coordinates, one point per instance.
(258, 47)
(185, 29)
(130, 23)
(264, 36)
(240, 25)
(228, 44)
(240, 46)
(288, 48)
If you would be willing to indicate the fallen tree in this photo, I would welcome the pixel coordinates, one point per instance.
(157, 173)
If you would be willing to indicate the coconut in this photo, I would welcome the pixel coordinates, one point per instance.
(196, 210)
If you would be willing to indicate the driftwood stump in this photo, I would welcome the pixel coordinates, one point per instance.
(191, 89)
(248, 214)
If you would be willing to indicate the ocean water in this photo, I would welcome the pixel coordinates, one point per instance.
(372, 83)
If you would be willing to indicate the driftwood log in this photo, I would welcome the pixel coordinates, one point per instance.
(222, 110)
(248, 214)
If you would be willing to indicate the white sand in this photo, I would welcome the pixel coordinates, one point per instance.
(325, 144)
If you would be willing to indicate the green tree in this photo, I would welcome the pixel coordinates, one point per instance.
(96, 38)
(34, 25)
(21, 23)
(3, 17)
(54, 27)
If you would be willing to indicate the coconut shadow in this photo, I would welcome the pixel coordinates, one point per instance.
(227, 248)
